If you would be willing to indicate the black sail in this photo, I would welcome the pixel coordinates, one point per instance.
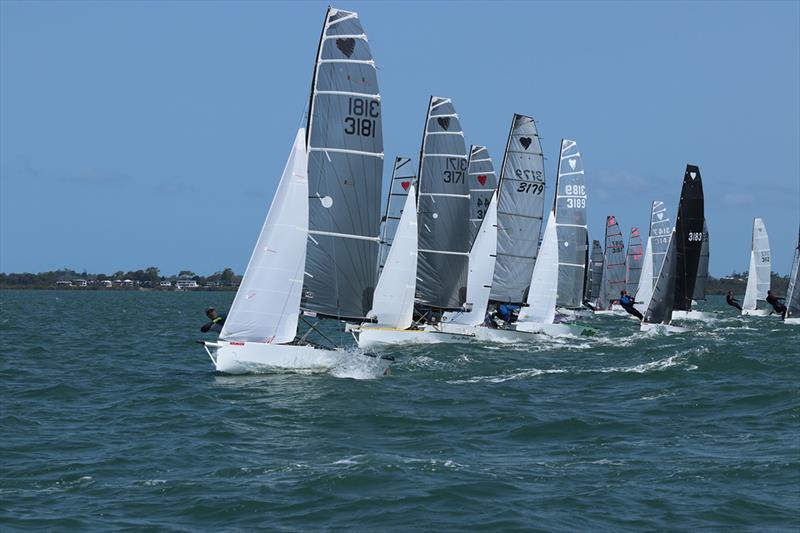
(688, 238)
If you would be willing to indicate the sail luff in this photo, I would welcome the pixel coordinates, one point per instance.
(633, 261)
(541, 301)
(399, 185)
(793, 292)
(482, 185)
(659, 310)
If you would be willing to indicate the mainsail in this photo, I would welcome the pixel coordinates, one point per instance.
(689, 237)
(596, 270)
(266, 306)
(570, 219)
(520, 210)
(482, 184)
(613, 265)
(758, 276)
(345, 162)
(393, 304)
(702, 269)
(793, 292)
(659, 310)
(403, 178)
(633, 261)
(443, 210)
(660, 234)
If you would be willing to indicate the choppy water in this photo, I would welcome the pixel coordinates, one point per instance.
(113, 418)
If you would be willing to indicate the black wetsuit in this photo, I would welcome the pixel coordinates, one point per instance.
(627, 303)
(732, 302)
(776, 304)
(215, 325)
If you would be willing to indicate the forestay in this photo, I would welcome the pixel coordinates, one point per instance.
(688, 237)
(570, 217)
(482, 183)
(403, 178)
(481, 270)
(443, 210)
(613, 265)
(758, 276)
(702, 268)
(793, 292)
(520, 210)
(541, 308)
(345, 161)
(659, 310)
(393, 305)
(267, 303)
(633, 261)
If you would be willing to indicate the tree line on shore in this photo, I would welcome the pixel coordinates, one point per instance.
(151, 277)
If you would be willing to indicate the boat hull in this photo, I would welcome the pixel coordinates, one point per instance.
(691, 315)
(551, 330)
(249, 357)
(792, 321)
(662, 328)
(377, 338)
(756, 312)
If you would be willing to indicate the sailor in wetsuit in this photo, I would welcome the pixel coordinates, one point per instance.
(775, 302)
(216, 321)
(507, 313)
(627, 303)
(732, 301)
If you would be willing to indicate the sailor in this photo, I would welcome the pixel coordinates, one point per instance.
(216, 321)
(732, 301)
(775, 302)
(627, 303)
(507, 313)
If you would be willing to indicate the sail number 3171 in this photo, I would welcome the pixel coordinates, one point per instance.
(362, 114)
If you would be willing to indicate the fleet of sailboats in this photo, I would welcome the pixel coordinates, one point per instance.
(457, 254)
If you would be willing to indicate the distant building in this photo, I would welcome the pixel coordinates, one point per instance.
(165, 284)
(106, 283)
(186, 283)
(63, 284)
(127, 283)
(79, 282)
(212, 284)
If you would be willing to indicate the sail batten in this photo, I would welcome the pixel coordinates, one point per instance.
(443, 210)
(520, 211)
(345, 163)
(571, 230)
(402, 180)
(482, 184)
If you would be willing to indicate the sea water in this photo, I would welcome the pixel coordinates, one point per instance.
(113, 418)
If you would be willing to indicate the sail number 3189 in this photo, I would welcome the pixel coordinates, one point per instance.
(362, 114)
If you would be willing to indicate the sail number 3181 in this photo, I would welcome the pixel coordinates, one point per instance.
(362, 114)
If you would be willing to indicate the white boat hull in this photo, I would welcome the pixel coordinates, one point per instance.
(691, 315)
(575, 312)
(662, 328)
(485, 334)
(369, 337)
(795, 321)
(244, 358)
(613, 311)
(756, 312)
(551, 330)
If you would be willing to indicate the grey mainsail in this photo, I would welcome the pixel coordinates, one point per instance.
(793, 292)
(519, 213)
(403, 178)
(482, 183)
(570, 209)
(633, 261)
(659, 311)
(345, 163)
(613, 265)
(443, 210)
(702, 269)
(660, 232)
(596, 270)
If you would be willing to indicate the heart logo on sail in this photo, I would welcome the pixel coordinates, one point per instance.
(660, 216)
(572, 163)
(693, 174)
(405, 185)
(482, 179)
(444, 122)
(347, 46)
(525, 142)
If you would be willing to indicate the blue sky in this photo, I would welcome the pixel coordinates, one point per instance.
(153, 133)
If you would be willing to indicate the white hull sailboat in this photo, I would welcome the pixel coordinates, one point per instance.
(758, 276)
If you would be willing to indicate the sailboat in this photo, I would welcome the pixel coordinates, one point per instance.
(571, 229)
(655, 251)
(482, 185)
(675, 284)
(792, 315)
(319, 243)
(633, 261)
(595, 268)
(442, 211)
(700, 284)
(613, 273)
(403, 178)
(758, 276)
